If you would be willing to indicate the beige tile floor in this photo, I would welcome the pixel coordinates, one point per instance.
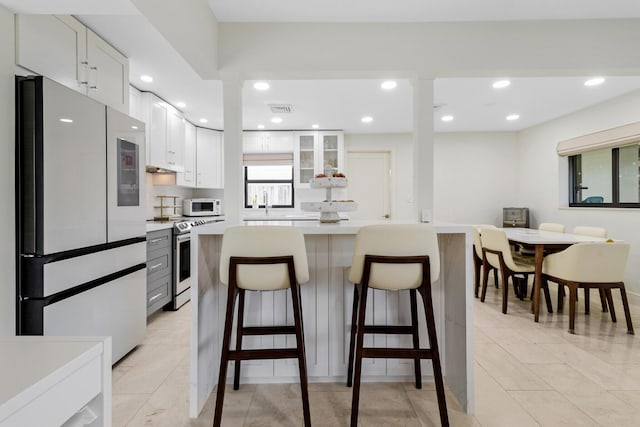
(526, 374)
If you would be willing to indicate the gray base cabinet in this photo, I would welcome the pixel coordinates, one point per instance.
(159, 270)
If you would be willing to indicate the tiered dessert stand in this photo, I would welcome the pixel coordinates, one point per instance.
(329, 208)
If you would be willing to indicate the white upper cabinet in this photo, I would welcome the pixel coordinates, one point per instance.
(165, 133)
(209, 159)
(313, 151)
(187, 178)
(267, 142)
(63, 49)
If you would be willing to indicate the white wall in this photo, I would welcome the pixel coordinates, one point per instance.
(543, 176)
(475, 176)
(7, 186)
(401, 148)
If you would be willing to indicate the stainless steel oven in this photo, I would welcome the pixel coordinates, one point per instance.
(181, 283)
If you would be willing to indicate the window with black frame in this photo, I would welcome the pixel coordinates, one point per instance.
(268, 179)
(607, 177)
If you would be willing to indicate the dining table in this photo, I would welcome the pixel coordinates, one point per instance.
(543, 242)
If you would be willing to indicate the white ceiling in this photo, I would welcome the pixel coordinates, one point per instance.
(339, 104)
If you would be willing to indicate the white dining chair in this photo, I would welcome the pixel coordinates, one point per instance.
(262, 258)
(549, 226)
(590, 265)
(477, 257)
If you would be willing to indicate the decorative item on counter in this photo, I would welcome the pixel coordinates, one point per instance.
(329, 208)
(174, 206)
(254, 203)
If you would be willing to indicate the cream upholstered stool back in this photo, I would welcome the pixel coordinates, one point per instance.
(259, 242)
(395, 240)
(550, 226)
(590, 231)
(598, 265)
(262, 258)
(395, 257)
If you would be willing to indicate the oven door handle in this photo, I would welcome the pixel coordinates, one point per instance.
(183, 237)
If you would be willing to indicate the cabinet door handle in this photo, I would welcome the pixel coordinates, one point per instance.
(153, 267)
(82, 73)
(155, 296)
(93, 78)
(154, 241)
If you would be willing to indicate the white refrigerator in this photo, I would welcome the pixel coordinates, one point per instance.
(81, 236)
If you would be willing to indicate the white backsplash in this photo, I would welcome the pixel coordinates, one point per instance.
(164, 184)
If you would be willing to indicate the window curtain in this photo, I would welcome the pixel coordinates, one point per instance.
(267, 159)
(610, 138)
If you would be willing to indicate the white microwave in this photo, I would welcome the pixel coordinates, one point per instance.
(201, 207)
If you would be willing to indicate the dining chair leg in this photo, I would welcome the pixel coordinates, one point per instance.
(416, 337)
(547, 296)
(302, 357)
(485, 279)
(240, 326)
(433, 345)
(477, 263)
(224, 359)
(603, 300)
(505, 290)
(573, 292)
(495, 278)
(560, 295)
(352, 340)
(355, 398)
(587, 300)
(612, 310)
(627, 313)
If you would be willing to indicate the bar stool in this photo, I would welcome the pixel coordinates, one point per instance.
(395, 257)
(262, 258)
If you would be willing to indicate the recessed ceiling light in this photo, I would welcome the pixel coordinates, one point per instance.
(366, 119)
(66, 120)
(261, 86)
(203, 120)
(448, 118)
(134, 127)
(260, 126)
(276, 120)
(499, 84)
(594, 81)
(146, 79)
(388, 85)
(512, 117)
(180, 104)
(315, 126)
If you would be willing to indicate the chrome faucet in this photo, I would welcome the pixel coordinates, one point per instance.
(266, 203)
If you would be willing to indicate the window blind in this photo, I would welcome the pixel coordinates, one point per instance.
(267, 159)
(610, 138)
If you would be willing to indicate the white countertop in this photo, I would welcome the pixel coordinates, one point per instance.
(316, 227)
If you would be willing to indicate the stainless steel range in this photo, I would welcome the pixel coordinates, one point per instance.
(182, 258)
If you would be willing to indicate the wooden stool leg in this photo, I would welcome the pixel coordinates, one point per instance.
(239, 326)
(416, 337)
(224, 359)
(355, 399)
(587, 300)
(603, 300)
(573, 292)
(352, 340)
(302, 357)
(612, 310)
(627, 313)
(433, 344)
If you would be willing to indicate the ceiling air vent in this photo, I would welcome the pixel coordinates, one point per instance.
(281, 108)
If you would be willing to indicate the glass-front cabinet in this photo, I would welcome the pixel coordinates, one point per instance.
(313, 151)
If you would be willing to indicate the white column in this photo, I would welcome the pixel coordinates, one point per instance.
(233, 180)
(423, 147)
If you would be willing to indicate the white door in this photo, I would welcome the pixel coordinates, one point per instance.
(369, 176)
(125, 177)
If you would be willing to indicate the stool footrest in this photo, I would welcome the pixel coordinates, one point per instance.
(397, 353)
(269, 330)
(387, 329)
(264, 353)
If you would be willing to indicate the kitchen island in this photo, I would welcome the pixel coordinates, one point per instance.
(326, 305)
